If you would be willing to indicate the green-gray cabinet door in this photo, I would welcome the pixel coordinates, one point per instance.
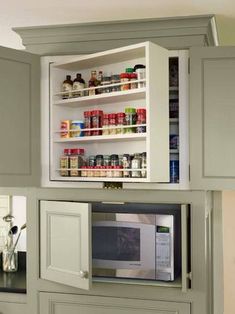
(65, 243)
(19, 118)
(212, 118)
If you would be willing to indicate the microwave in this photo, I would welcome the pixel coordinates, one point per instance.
(136, 241)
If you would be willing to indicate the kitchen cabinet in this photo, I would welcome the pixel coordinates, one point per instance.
(212, 112)
(16, 308)
(53, 303)
(20, 118)
(157, 97)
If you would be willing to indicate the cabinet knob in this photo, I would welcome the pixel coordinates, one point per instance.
(83, 274)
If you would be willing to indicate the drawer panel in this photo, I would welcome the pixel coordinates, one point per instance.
(55, 303)
(12, 308)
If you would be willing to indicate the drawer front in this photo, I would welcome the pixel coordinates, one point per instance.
(55, 303)
(12, 308)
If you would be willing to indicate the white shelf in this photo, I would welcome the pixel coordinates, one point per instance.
(101, 179)
(104, 138)
(128, 95)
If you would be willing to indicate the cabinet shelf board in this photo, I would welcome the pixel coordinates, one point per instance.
(100, 179)
(113, 97)
(104, 138)
(105, 57)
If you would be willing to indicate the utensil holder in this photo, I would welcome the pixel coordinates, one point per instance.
(9, 260)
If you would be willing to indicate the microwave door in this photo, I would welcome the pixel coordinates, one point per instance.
(123, 249)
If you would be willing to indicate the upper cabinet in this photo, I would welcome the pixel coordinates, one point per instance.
(20, 118)
(212, 112)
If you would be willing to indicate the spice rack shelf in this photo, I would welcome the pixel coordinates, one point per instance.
(103, 138)
(154, 98)
(114, 97)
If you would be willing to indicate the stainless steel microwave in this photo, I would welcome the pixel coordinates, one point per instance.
(136, 241)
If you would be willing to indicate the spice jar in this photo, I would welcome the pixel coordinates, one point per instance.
(105, 130)
(65, 163)
(76, 128)
(114, 160)
(91, 161)
(109, 171)
(106, 81)
(133, 78)
(120, 122)
(107, 160)
(84, 171)
(97, 121)
(76, 161)
(124, 77)
(102, 171)
(115, 79)
(143, 165)
(141, 119)
(126, 162)
(90, 171)
(117, 173)
(64, 127)
(130, 119)
(87, 122)
(112, 122)
(93, 82)
(140, 71)
(99, 160)
(136, 164)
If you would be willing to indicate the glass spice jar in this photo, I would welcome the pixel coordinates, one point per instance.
(65, 163)
(126, 162)
(84, 171)
(87, 122)
(120, 122)
(114, 160)
(112, 122)
(93, 82)
(124, 77)
(91, 161)
(109, 171)
(97, 121)
(102, 171)
(143, 165)
(76, 161)
(115, 79)
(105, 130)
(130, 117)
(141, 119)
(136, 164)
(99, 160)
(117, 171)
(133, 78)
(107, 160)
(90, 171)
(105, 82)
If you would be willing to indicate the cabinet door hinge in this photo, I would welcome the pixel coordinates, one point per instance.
(188, 65)
(189, 276)
(189, 174)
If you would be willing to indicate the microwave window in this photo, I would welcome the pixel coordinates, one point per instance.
(116, 243)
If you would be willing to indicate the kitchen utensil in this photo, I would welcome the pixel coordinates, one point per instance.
(13, 230)
(8, 218)
(21, 228)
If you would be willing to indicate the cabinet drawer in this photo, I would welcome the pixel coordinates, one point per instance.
(12, 308)
(55, 303)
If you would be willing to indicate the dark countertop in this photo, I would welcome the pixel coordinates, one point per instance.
(14, 282)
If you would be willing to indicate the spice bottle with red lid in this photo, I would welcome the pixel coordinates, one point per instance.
(97, 121)
(124, 77)
(112, 122)
(133, 79)
(65, 163)
(105, 130)
(141, 119)
(121, 122)
(76, 161)
(87, 122)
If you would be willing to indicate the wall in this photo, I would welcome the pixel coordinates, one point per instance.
(229, 251)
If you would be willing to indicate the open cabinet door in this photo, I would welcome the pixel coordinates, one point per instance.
(19, 118)
(65, 238)
(212, 118)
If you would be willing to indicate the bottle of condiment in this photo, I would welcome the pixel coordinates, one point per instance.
(107, 160)
(67, 87)
(140, 70)
(99, 160)
(99, 78)
(76, 161)
(141, 119)
(114, 160)
(106, 81)
(124, 77)
(115, 79)
(65, 163)
(78, 84)
(93, 82)
(126, 162)
(133, 78)
(91, 161)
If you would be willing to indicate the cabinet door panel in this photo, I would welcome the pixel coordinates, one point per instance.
(52, 303)
(212, 112)
(19, 118)
(65, 243)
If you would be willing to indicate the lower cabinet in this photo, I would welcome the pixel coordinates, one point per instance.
(12, 308)
(55, 303)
